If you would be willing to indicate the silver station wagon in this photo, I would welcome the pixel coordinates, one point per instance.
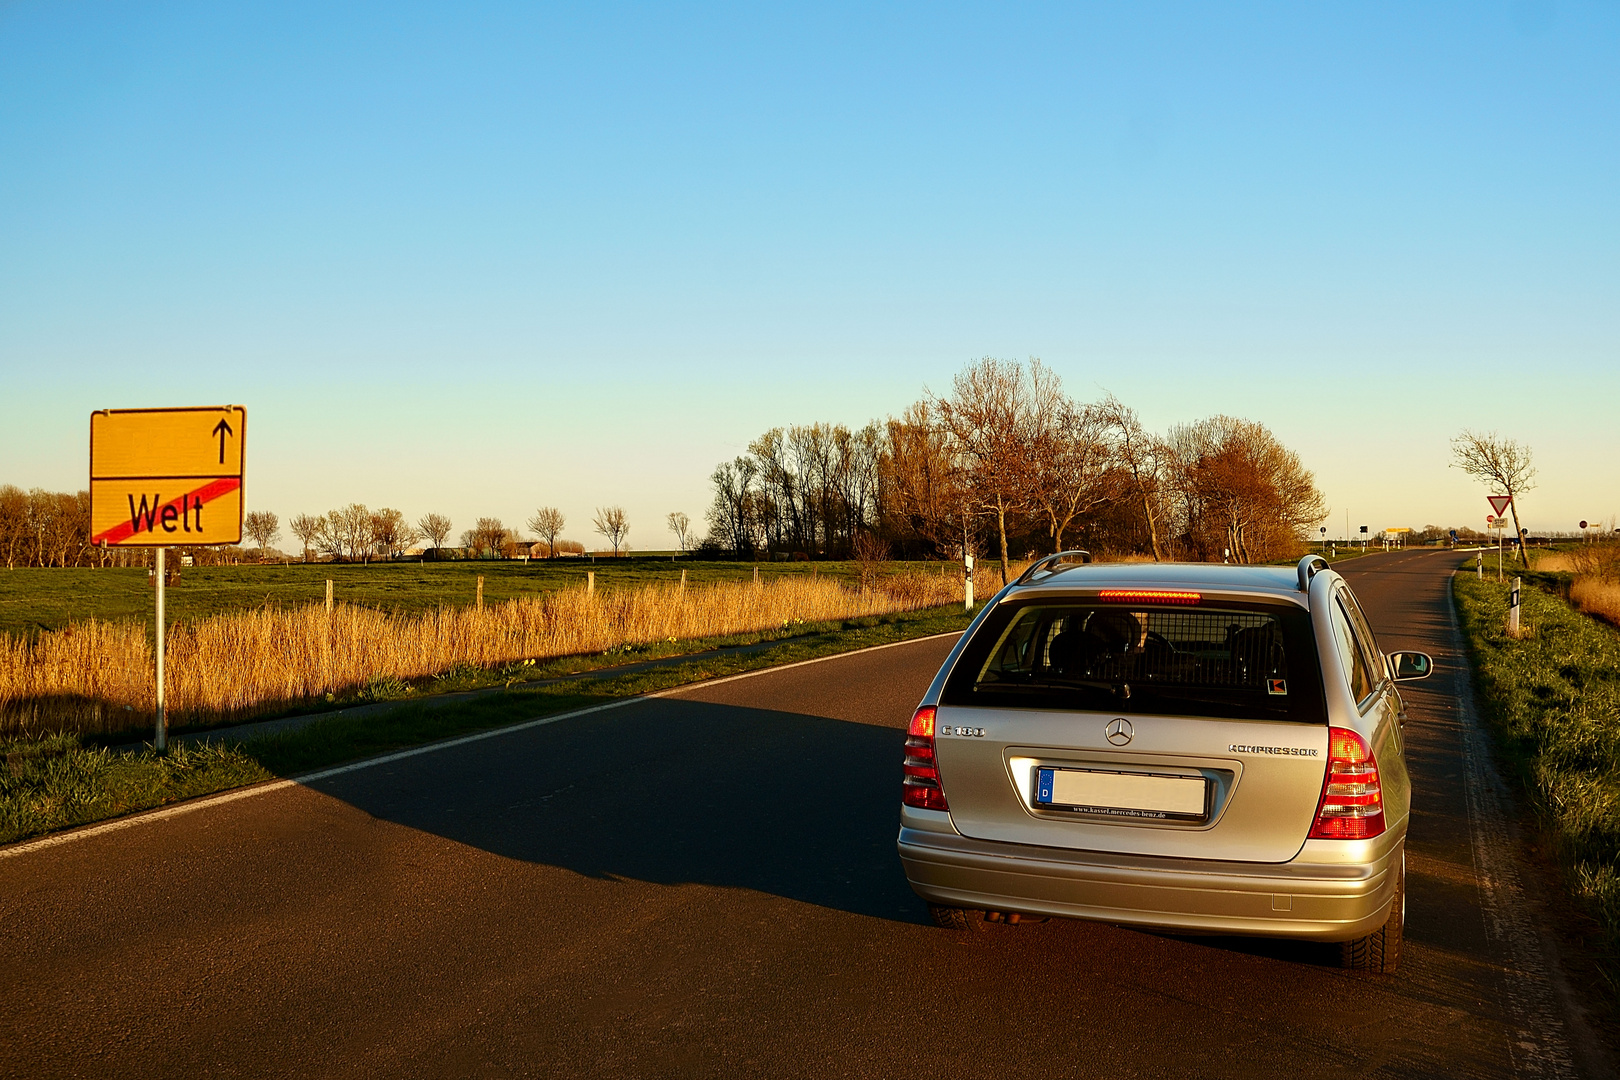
(1205, 749)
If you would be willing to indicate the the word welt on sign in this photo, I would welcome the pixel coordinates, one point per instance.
(164, 477)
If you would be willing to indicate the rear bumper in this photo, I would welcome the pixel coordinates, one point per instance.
(1313, 900)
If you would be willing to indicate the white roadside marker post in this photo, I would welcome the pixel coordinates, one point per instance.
(967, 587)
(162, 740)
(1513, 610)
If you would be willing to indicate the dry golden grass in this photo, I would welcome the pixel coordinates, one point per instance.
(1555, 562)
(1594, 596)
(98, 676)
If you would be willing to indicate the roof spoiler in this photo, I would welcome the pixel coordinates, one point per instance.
(1308, 569)
(1049, 564)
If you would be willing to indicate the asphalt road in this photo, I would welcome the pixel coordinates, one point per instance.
(706, 885)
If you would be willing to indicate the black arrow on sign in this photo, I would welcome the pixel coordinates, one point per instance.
(222, 429)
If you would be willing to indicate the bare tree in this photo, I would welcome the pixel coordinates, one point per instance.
(434, 527)
(1501, 463)
(922, 483)
(330, 538)
(262, 527)
(486, 539)
(1142, 457)
(547, 524)
(611, 523)
(1242, 490)
(307, 528)
(390, 532)
(13, 523)
(991, 414)
(732, 515)
(1072, 465)
(869, 552)
(679, 524)
(56, 527)
(348, 532)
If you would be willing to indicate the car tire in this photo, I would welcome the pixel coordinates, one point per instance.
(1380, 951)
(955, 918)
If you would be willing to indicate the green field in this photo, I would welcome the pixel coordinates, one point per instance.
(34, 599)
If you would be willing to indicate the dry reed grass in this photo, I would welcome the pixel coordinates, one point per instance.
(1594, 596)
(1596, 588)
(97, 676)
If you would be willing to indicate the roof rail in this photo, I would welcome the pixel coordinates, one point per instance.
(1051, 560)
(1308, 569)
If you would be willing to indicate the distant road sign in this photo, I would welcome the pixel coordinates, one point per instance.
(164, 477)
(1490, 519)
(1499, 503)
(1583, 524)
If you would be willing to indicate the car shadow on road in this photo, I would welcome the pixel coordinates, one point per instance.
(672, 792)
(679, 792)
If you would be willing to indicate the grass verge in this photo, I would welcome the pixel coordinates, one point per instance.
(1552, 696)
(60, 782)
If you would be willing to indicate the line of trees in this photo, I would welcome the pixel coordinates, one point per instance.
(1007, 462)
(46, 528)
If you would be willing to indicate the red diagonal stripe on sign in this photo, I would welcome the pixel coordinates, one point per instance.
(205, 494)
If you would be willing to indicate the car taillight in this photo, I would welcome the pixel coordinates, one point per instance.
(1352, 803)
(921, 787)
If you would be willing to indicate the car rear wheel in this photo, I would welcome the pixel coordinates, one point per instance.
(955, 918)
(1380, 951)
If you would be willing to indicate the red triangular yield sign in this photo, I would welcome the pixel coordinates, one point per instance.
(1499, 503)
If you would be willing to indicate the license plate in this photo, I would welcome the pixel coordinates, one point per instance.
(1122, 794)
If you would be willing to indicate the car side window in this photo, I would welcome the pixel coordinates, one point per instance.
(1352, 659)
(1364, 635)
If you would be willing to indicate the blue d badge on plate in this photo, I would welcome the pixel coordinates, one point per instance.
(1043, 785)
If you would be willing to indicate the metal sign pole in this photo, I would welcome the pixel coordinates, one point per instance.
(162, 733)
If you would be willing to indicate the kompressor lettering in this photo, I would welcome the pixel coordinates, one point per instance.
(1285, 751)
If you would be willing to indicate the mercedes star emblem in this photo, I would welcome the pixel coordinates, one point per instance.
(1119, 731)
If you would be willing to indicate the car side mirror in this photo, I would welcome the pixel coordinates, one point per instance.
(1411, 666)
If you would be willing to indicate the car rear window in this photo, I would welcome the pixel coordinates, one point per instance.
(1231, 660)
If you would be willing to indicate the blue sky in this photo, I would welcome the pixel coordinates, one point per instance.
(476, 261)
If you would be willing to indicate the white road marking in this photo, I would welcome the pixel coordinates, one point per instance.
(149, 816)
